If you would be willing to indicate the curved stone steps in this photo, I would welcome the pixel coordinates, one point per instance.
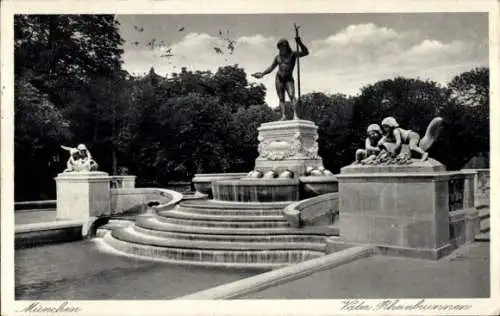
(208, 204)
(215, 223)
(130, 235)
(233, 258)
(153, 223)
(229, 211)
(232, 208)
(270, 238)
(179, 213)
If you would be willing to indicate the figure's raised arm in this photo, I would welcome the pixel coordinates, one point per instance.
(269, 69)
(303, 51)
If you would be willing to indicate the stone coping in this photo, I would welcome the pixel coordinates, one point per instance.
(293, 212)
(83, 177)
(222, 175)
(429, 165)
(59, 224)
(300, 205)
(318, 179)
(467, 172)
(29, 206)
(83, 174)
(35, 210)
(477, 170)
(259, 181)
(175, 197)
(237, 204)
(282, 275)
(440, 175)
(41, 202)
(287, 124)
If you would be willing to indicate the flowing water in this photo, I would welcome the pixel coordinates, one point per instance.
(258, 190)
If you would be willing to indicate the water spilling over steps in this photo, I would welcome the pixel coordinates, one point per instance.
(210, 232)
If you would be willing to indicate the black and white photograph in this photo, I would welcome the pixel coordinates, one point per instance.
(248, 156)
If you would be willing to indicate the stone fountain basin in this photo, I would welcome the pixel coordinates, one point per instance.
(203, 181)
(256, 190)
(317, 185)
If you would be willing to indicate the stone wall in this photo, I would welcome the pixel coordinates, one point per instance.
(416, 210)
(482, 187)
(118, 182)
(319, 210)
(463, 216)
(133, 201)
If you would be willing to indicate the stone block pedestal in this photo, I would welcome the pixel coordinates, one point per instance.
(288, 145)
(83, 196)
(403, 210)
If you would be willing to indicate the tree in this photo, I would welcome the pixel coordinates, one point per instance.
(471, 88)
(194, 132)
(189, 122)
(466, 116)
(66, 51)
(65, 68)
(39, 130)
(414, 103)
(335, 131)
(231, 85)
(313, 105)
(244, 133)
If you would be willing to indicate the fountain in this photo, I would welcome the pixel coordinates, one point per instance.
(238, 219)
(280, 214)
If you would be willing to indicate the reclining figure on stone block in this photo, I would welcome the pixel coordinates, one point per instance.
(374, 134)
(395, 137)
(80, 159)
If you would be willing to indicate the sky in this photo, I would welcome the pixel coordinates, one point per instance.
(347, 51)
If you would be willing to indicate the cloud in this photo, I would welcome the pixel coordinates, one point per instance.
(342, 62)
(361, 35)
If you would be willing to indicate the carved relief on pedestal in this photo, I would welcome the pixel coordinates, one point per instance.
(312, 152)
(276, 148)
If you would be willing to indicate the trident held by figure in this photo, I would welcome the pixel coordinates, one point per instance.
(285, 61)
(297, 38)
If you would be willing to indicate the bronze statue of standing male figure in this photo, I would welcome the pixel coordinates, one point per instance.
(285, 61)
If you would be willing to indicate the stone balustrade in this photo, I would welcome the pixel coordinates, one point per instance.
(481, 186)
(319, 210)
(135, 200)
(463, 216)
(122, 182)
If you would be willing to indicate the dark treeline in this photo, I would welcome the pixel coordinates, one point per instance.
(70, 88)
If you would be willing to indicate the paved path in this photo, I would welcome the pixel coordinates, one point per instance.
(78, 270)
(463, 274)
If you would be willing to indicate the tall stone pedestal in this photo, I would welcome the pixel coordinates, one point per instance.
(83, 196)
(401, 209)
(288, 145)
